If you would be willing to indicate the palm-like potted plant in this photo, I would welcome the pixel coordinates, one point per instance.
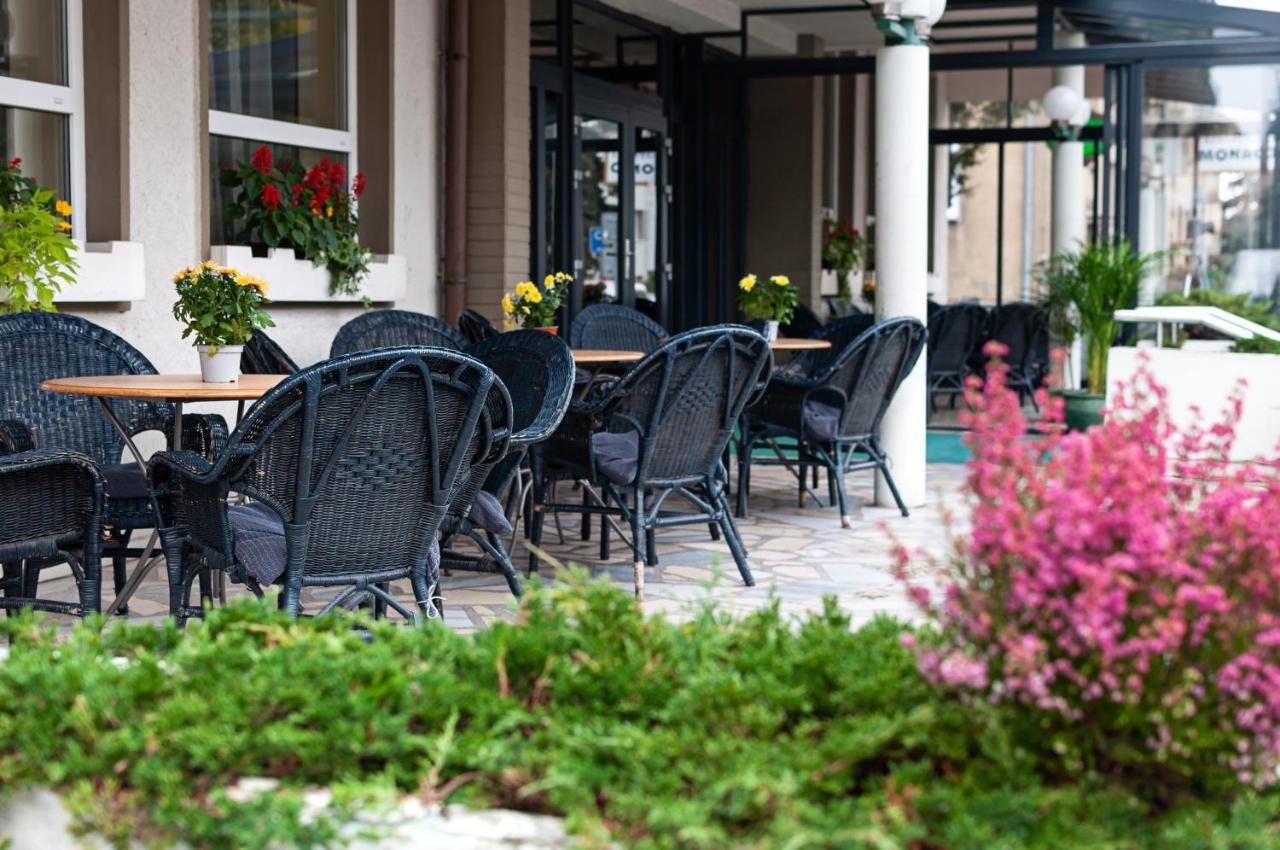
(1085, 289)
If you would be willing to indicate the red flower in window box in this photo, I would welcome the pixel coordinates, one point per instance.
(271, 197)
(261, 161)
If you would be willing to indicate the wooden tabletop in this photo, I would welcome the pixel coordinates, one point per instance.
(785, 343)
(166, 387)
(591, 356)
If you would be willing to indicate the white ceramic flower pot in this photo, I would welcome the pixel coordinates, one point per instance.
(771, 330)
(221, 367)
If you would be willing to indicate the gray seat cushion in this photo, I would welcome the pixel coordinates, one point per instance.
(617, 456)
(821, 422)
(125, 481)
(486, 512)
(257, 534)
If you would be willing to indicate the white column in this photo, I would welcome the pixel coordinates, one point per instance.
(1068, 165)
(902, 247)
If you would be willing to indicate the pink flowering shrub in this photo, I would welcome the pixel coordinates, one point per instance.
(1121, 588)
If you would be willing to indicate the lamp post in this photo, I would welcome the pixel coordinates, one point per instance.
(902, 221)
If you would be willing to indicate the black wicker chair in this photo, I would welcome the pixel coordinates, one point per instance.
(804, 323)
(68, 490)
(391, 328)
(956, 332)
(263, 356)
(835, 413)
(1024, 329)
(659, 431)
(615, 326)
(36, 346)
(537, 369)
(352, 464)
(475, 326)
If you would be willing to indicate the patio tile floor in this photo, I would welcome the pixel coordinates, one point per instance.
(797, 555)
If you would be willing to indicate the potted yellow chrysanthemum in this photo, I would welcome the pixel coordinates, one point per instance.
(221, 308)
(531, 306)
(775, 303)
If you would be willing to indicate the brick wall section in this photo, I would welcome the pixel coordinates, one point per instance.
(784, 141)
(498, 190)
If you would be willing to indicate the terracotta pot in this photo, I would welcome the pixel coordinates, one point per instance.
(554, 330)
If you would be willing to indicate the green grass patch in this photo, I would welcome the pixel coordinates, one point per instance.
(756, 732)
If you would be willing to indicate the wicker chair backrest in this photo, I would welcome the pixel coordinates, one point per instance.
(537, 369)
(871, 368)
(392, 328)
(361, 455)
(263, 356)
(687, 396)
(1023, 328)
(475, 326)
(804, 323)
(615, 326)
(839, 332)
(36, 346)
(955, 333)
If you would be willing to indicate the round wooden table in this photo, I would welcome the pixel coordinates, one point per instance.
(174, 389)
(789, 343)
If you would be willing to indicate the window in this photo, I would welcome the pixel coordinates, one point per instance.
(41, 95)
(281, 74)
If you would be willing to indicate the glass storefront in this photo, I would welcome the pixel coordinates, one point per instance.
(1208, 179)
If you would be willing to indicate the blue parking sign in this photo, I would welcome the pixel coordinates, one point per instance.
(595, 240)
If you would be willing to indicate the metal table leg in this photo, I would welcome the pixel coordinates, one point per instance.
(147, 562)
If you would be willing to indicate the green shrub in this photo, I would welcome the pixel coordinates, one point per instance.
(755, 732)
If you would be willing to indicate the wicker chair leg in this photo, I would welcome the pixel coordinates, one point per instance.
(90, 584)
(11, 583)
(803, 477)
(606, 534)
(173, 546)
(534, 527)
(744, 474)
(734, 540)
(31, 579)
(714, 529)
(638, 536)
(585, 528)
(380, 604)
(491, 546)
(650, 548)
(835, 468)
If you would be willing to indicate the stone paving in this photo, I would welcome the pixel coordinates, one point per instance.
(797, 555)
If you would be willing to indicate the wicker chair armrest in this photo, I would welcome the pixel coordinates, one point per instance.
(202, 433)
(70, 491)
(15, 437)
(188, 464)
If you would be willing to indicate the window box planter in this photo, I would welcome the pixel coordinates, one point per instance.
(1206, 378)
(295, 280)
(108, 272)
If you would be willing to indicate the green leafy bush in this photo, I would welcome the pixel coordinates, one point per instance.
(36, 255)
(757, 732)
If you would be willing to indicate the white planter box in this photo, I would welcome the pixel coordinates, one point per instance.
(290, 279)
(1205, 379)
(108, 271)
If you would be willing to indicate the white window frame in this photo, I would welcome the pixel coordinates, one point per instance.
(271, 131)
(65, 100)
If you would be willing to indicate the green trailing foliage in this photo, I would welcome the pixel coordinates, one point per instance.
(756, 732)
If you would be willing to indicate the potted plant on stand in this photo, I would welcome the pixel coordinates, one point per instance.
(774, 303)
(221, 308)
(532, 307)
(1085, 289)
(37, 255)
(842, 247)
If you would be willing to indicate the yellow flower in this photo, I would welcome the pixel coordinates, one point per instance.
(507, 307)
(561, 277)
(747, 283)
(549, 282)
(183, 274)
(63, 208)
(780, 280)
(524, 309)
(64, 225)
(329, 212)
(533, 296)
(249, 280)
(523, 287)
